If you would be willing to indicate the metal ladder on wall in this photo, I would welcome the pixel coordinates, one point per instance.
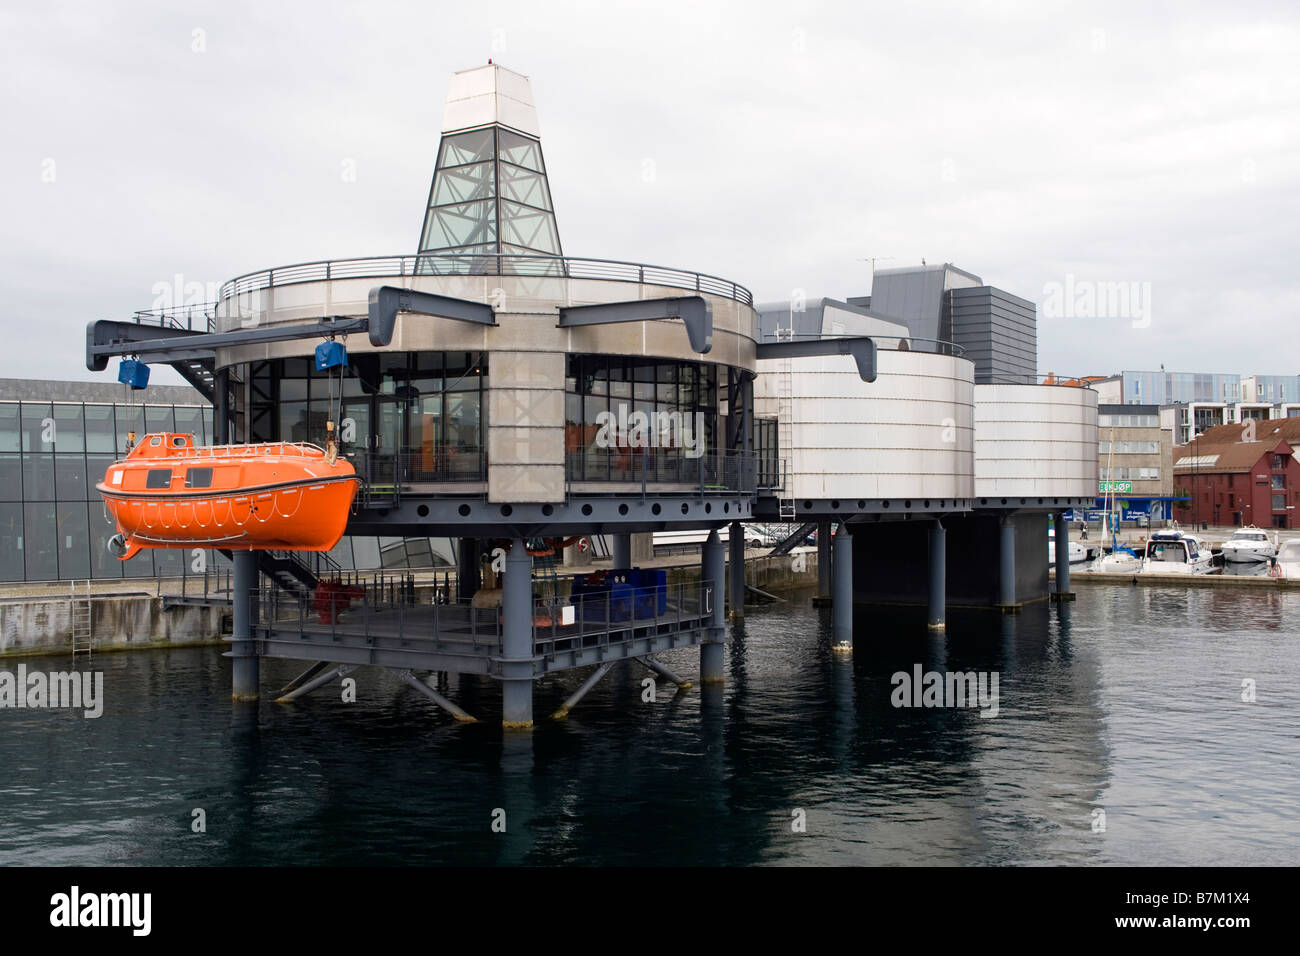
(83, 637)
(785, 423)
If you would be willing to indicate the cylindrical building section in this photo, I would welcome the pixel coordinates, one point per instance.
(908, 434)
(1034, 440)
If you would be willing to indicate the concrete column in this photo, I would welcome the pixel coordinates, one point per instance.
(468, 576)
(823, 598)
(517, 639)
(938, 615)
(243, 652)
(736, 570)
(1007, 562)
(713, 576)
(622, 551)
(842, 614)
(221, 407)
(1062, 553)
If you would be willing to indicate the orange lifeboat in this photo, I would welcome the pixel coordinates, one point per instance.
(168, 493)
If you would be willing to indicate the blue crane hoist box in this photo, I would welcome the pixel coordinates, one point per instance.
(330, 355)
(133, 373)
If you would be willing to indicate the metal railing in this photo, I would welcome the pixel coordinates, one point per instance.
(906, 343)
(433, 264)
(190, 318)
(609, 618)
(732, 471)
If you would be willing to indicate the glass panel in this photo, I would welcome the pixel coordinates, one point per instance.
(294, 425)
(102, 527)
(158, 418)
(158, 478)
(129, 418)
(38, 477)
(70, 477)
(37, 427)
(170, 561)
(40, 556)
(472, 147)
(11, 476)
(354, 432)
(198, 478)
(524, 186)
(189, 419)
(529, 228)
(9, 430)
(11, 537)
(464, 184)
(521, 151)
(74, 540)
(69, 429)
(465, 224)
(365, 552)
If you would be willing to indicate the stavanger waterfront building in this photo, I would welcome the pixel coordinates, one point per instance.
(484, 370)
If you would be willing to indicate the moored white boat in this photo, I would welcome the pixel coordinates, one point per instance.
(1177, 552)
(1249, 544)
(1078, 553)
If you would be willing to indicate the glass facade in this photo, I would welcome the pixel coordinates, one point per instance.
(489, 197)
(629, 417)
(53, 524)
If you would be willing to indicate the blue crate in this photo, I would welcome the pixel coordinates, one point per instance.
(330, 355)
(133, 373)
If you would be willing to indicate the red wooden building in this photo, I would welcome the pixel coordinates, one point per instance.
(1239, 483)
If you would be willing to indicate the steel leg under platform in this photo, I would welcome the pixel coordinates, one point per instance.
(576, 697)
(736, 570)
(343, 670)
(842, 613)
(244, 669)
(1062, 592)
(517, 639)
(824, 586)
(1007, 566)
(713, 574)
(938, 614)
(407, 677)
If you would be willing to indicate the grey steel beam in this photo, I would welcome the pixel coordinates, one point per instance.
(736, 570)
(1062, 556)
(861, 348)
(665, 673)
(407, 677)
(343, 670)
(1007, 563)
(622, 552)
(824, 561)
(106, 338)
(576, 697)
(385, 301)
(517, 650)
(695, 312)
(305, 676)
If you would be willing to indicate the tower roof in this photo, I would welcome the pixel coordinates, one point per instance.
(490, 94)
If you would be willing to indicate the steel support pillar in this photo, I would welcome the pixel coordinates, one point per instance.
(823, 598)
(468, 576)
(221, 406)
(842, 613)
(712, 577)
(1062, 592)
(1007, 564)
(622, 552)
(938, 615)
(517, 639)
(736, 570)
(243, 651)
(576, 697)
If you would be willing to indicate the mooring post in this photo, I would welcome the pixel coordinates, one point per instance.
(622, 552)
(1062, 557)
(736, 569)
(517, 639)
(938, 576)
(1007, 563)
(842, 612)
(243, 651)
(712, 577)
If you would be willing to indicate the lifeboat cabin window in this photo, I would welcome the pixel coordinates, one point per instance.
(158, 478)
(179, 441)
(156, 440)
(198, 478)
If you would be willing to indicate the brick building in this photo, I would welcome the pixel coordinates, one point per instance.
(1234, 482)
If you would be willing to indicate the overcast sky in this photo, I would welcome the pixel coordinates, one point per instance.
(780, 145)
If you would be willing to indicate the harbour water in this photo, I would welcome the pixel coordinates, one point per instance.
(1121, 737)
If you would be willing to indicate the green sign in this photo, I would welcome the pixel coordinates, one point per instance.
(1119, 487)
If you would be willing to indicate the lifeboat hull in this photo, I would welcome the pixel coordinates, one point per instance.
(289, 502)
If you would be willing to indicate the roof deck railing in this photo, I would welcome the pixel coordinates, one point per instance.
(485, 263)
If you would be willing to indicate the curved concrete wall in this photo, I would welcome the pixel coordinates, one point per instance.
(1035, 440)
(526, 313)
(908, 434)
